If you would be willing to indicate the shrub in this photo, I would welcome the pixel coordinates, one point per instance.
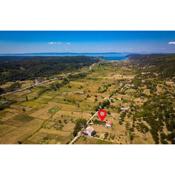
(80, 123)
(14, 86)
(23, 118)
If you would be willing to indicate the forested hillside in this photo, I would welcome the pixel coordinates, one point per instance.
(163, 64)
(22, 68)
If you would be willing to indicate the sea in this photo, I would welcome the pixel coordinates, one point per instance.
(104, 56)
(109, 56)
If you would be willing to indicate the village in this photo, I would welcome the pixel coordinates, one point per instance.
(63, 109)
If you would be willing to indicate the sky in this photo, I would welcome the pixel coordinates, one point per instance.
(87, 41)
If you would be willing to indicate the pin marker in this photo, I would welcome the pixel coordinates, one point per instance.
(102, 114)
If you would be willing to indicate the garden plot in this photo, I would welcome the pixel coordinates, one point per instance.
(21, 133)
(47, 136)
(4, 129)
(44, 113)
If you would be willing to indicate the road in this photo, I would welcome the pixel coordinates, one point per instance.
(50, 81)
(33, 86)
(90, 119)
(80, 132)
(46, 81)
(29, 87)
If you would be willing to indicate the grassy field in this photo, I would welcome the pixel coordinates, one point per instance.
(45, 115)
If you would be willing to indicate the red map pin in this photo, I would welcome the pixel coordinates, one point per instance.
(102, 114)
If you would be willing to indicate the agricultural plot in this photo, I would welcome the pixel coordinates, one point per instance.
(136, 105)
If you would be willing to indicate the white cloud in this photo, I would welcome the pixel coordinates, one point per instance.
(58, 43)
(54, 43)
(172, 43)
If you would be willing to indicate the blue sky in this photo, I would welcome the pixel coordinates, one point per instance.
(87, 41)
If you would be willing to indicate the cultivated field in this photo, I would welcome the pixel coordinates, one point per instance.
(47, 114)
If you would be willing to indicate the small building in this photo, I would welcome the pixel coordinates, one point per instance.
(108, 124)
(79, 92)
(89, 131)
(124, 109)
(37, 81)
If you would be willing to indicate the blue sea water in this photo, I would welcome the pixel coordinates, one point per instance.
(109, 56)
(105, 56)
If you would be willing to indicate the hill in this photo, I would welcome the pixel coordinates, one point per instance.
(13, 68)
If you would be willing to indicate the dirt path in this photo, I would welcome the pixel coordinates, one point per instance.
(90, 119)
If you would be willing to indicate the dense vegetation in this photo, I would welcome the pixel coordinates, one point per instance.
(163, 64)
(80, 123)
(158, 111)
(23, 68)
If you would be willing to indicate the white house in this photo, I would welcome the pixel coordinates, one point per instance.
(108, 124)
(124, 109)
(89, 131)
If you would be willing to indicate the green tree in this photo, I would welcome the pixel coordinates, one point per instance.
(80, 123)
